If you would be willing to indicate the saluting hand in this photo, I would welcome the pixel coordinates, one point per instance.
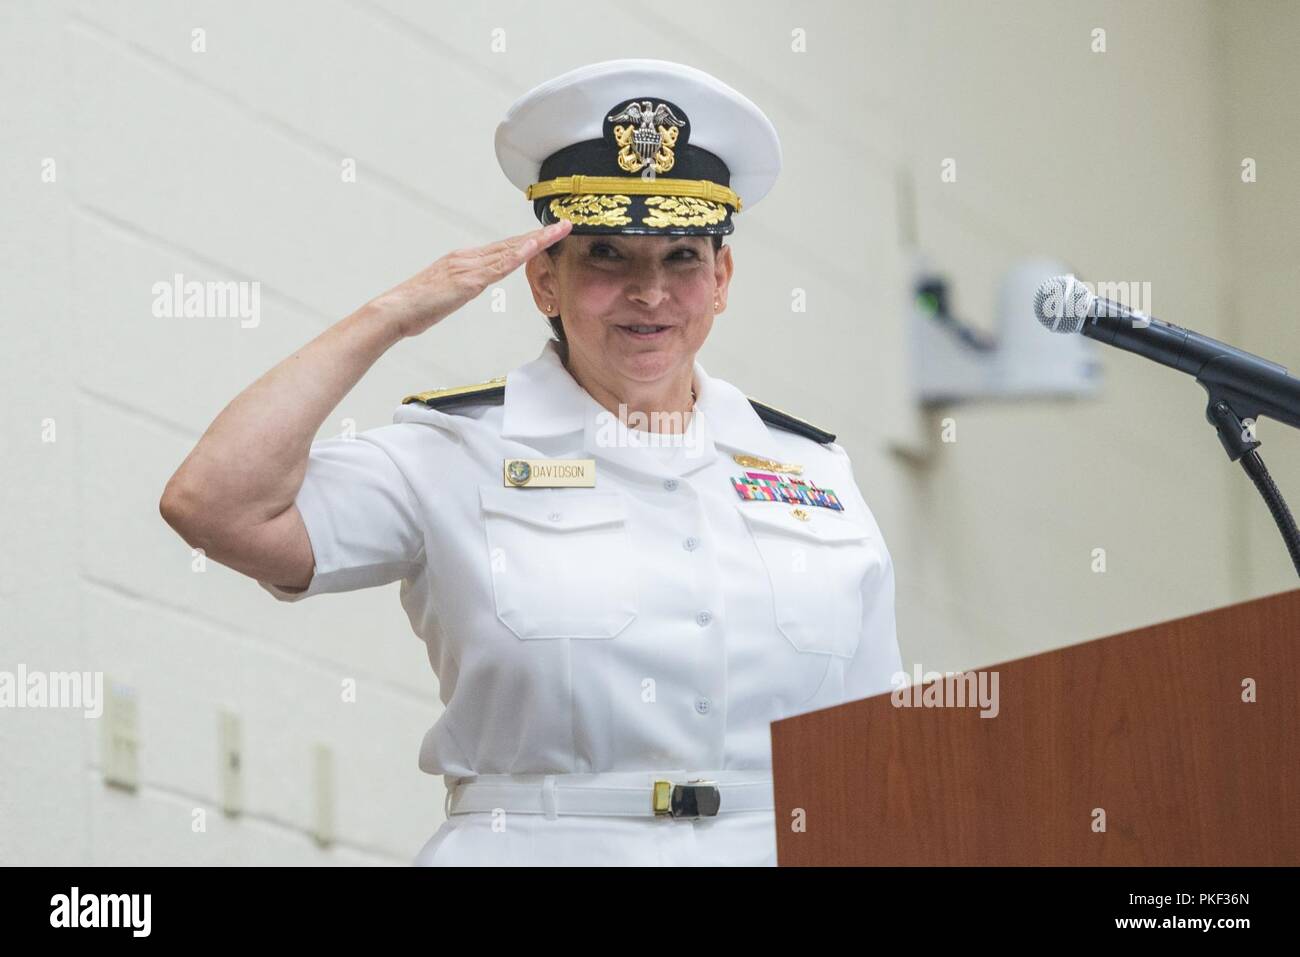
(447, 284)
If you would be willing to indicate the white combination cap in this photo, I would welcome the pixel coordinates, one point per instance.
(638, 146)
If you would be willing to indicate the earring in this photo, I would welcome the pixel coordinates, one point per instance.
(549, 307)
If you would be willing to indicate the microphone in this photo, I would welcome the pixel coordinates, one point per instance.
(1252, 386)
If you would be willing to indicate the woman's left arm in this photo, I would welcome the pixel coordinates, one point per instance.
(877, 659)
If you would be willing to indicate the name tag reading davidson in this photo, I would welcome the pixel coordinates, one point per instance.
(550, 473)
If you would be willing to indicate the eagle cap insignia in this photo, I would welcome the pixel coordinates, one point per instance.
(650, 136)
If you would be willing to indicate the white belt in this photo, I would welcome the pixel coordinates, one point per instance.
(669, 794)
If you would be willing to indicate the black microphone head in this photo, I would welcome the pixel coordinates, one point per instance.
(1062, 303)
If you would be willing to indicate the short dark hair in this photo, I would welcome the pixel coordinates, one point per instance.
(557, 327)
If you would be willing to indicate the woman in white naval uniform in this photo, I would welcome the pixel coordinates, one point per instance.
(624, 569)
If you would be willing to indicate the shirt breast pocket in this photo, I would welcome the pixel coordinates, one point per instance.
(560, 561)
(817, 568)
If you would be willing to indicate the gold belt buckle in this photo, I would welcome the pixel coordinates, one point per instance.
(694, 799)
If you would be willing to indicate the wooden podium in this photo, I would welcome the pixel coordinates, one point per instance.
(1149, 726)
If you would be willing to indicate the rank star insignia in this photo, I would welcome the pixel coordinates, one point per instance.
(763, 487)
(649, 139)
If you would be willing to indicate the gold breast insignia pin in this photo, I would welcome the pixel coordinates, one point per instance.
(754, 462)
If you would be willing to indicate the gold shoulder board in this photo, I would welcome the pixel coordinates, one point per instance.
(489, 391)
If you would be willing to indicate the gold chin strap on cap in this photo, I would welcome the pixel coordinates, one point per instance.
(581, 185)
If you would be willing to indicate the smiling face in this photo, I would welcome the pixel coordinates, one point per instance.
(636, 309)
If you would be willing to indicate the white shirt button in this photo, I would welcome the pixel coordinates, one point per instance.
(702, 704)
(670, 484)
(703, 618)
(691, 544)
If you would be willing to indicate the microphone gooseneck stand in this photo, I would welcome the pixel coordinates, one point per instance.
(1241, 386)
(1240, 443)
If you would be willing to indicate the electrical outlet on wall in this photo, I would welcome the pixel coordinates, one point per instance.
(230, 760)
(121, 737)
(323, 778)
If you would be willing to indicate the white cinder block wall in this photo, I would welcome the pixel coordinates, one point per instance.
(227, 165)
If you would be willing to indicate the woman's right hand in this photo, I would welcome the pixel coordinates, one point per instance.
(235, 494)
(441, 288)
